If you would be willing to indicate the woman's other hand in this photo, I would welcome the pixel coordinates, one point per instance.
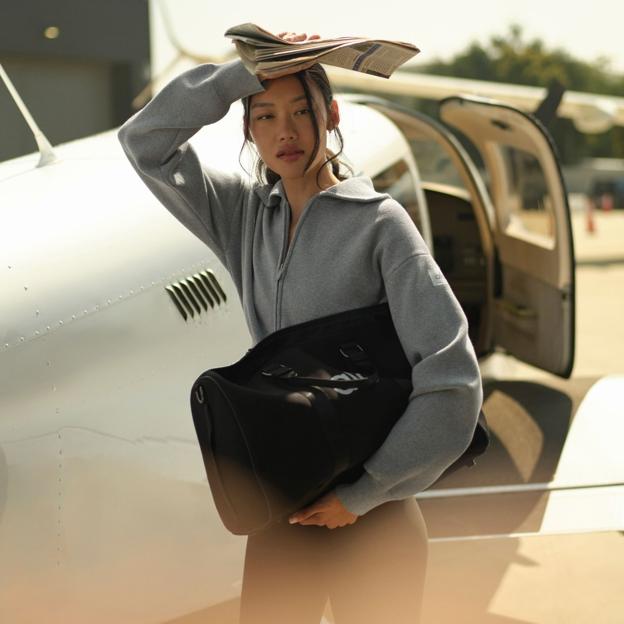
(290, 37)
(326, 511)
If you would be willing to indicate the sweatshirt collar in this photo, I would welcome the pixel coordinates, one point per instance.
(356, 189)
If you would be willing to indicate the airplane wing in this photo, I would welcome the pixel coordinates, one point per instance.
(591, 113)
(542, 475)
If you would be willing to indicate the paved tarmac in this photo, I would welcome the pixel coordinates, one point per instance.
(598, 237)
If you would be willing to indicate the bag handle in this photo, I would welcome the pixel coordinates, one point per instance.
(352, 351)
(288, 375)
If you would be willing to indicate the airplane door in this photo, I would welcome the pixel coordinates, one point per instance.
(534, 303)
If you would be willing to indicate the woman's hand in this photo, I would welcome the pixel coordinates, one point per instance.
(326, 511)
(291, 38)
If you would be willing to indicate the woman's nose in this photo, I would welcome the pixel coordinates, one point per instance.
(287, 130)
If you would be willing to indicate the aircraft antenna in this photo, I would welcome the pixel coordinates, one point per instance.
(546, 112)
(46, 153)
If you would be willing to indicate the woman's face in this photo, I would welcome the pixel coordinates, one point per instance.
(280, 125)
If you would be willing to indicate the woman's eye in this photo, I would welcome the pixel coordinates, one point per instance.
(270, 115)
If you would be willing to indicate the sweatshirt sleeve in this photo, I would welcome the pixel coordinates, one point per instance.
(447, 394)
(155, 140)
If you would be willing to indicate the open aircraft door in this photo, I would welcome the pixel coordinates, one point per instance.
(534, 300)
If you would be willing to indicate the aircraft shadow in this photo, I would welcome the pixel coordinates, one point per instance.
(529, 424)
(223, 613)
(4, 482)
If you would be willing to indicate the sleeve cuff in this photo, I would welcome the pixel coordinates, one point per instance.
(239, 82)
(362, 495)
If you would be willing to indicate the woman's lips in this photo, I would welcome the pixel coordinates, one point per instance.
(290, 156)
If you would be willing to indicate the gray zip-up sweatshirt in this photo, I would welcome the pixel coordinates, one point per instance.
(352, 247)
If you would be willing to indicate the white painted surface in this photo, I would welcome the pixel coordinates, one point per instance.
(593, 449)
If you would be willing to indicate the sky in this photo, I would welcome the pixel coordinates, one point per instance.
(588, 30)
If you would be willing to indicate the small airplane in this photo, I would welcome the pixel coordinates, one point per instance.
(111, 308)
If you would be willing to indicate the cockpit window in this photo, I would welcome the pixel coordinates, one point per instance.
(434, 162)
(398, 181)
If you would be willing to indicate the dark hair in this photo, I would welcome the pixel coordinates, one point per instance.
(316, 74)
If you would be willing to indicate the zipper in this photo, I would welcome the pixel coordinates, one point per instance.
(284, 240)
(280, 266)
(287, 252)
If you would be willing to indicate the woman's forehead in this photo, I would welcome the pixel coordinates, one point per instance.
(286, 89)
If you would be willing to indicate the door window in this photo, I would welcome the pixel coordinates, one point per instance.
(398, 182)
(530, 206)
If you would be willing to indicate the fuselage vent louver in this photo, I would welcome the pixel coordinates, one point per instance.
(193, 295)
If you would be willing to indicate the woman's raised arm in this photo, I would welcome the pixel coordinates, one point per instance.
(155, 139)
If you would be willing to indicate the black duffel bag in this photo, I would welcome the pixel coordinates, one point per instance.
(301, 412)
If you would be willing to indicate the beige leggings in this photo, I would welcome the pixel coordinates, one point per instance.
(372, 571)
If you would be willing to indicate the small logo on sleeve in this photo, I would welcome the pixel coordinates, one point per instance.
(436, 276)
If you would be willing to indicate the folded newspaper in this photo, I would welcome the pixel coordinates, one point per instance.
(262, 51)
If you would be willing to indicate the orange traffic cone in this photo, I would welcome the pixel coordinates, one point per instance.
(590, 226)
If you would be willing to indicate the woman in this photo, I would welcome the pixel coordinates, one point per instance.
(308, 243)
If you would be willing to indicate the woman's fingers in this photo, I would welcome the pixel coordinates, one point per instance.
(316, 518)
(291, 36)
(304, 514)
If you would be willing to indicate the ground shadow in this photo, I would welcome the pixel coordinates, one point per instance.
(529, 422)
